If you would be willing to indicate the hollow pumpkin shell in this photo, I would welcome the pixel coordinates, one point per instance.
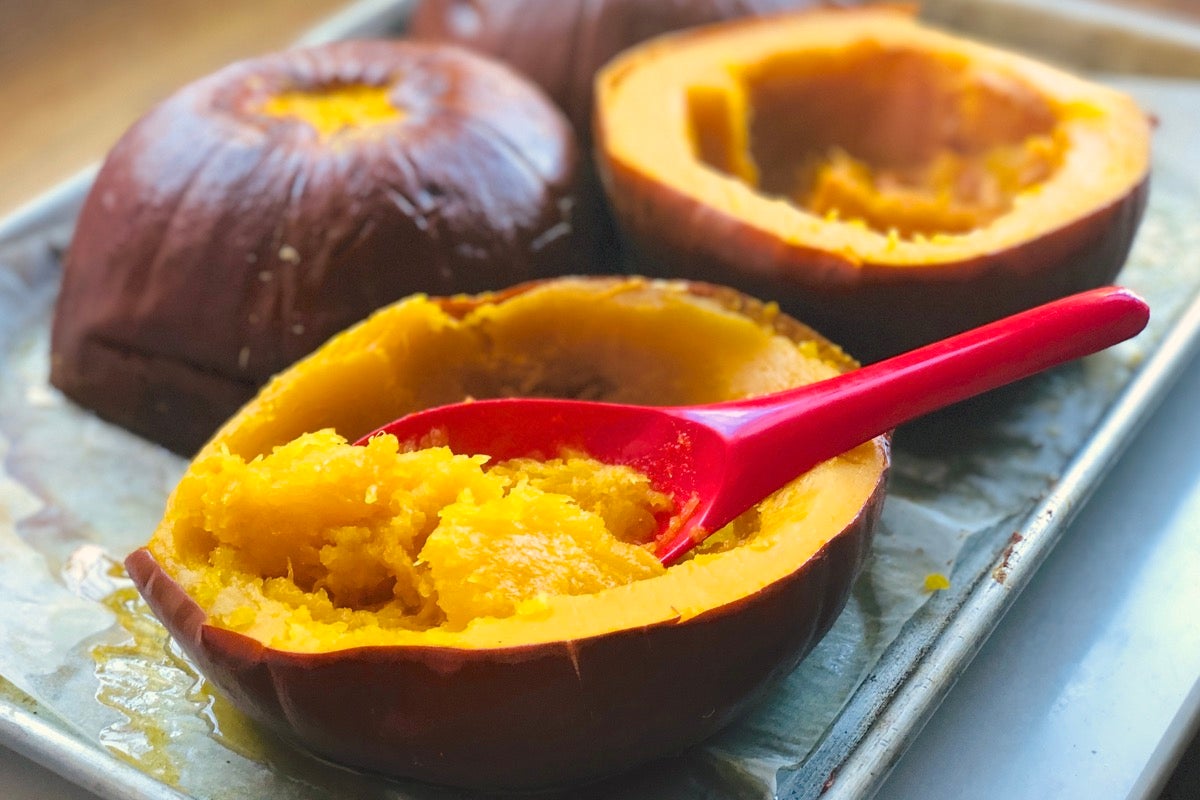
(261, 209)
(889, 183)
(590, 684)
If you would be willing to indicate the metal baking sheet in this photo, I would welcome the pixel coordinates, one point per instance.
(1069, 425)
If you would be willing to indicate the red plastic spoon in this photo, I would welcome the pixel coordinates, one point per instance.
(718, 460)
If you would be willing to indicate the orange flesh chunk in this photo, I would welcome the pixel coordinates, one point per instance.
(335, 109)
(487, 558)
(421, 539)
(953, 193)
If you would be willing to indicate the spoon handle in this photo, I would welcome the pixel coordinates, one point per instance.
(787, 433)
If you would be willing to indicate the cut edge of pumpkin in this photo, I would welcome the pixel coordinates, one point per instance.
(651, 99)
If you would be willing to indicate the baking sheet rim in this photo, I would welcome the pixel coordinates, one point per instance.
(902, 715)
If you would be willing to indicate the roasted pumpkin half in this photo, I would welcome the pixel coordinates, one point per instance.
(258, 211)
(889, 183)
(285, 567)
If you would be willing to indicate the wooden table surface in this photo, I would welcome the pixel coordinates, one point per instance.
(75, 73)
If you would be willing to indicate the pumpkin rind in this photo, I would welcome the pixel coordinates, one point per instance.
(542, 713)
(221, 242)
(873, 293)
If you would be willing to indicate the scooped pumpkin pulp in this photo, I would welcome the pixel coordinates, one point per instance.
(320, 529)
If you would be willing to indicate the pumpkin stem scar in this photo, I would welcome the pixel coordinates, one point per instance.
(331, 110)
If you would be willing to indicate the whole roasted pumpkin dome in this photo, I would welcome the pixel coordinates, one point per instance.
(261, 209)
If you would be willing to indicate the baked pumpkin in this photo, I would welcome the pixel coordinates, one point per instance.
(303, 610)
(263, 208)
(889, 183)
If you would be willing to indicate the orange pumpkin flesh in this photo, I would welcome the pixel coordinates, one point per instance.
(888, 183)
(334, 110)
(574, 686)
(323, 544)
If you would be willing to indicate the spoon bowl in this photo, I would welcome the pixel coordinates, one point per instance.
(718, 460)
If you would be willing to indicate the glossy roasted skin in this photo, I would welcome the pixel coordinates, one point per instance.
(728, 195)
(598, 684)
(224, 239)
(561, 45)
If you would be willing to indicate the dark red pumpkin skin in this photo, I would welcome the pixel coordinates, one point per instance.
(872, 310)
(220, 244)
(560, 45)
(530, 717)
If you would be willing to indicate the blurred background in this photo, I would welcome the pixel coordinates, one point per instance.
(75, 73)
